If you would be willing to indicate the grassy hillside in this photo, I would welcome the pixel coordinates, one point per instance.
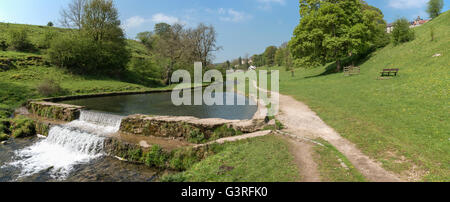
(36, 33)
(402, 122)
(19, 83)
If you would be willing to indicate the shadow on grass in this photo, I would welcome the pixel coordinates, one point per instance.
(355, 60)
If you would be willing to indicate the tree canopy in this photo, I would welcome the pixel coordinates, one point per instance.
(330, 30)
(269, 55)
(434, 8)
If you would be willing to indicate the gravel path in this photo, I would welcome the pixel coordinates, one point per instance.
(301, 121)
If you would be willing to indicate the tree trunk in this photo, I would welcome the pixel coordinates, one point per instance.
(338, 65)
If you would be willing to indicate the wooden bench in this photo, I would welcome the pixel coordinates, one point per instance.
(351, 70)
(388, 72)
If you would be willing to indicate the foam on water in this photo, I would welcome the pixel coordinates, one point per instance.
(67, 145)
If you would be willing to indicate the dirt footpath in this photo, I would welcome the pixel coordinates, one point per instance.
(302, 122)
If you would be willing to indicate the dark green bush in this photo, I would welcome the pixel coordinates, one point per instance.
(145, 68)
(83, 55)
(402, 33)
(224, 131)
(156, 157)
(196, 136)
(46, 39)
(4, 126)
(279, 125)
(18, 40)
(50, 87)
(3, 137)
(183, 159)
(135, 155)
(3, 45)
(22, 127)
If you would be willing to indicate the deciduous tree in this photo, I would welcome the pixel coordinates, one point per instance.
(269, 55)
(434, 8)
(330, 30)
(71, 17)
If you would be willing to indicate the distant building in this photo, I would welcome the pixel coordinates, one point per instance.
(390, 27)
(417, 22)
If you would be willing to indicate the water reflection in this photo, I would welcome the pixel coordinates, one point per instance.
(161, 104)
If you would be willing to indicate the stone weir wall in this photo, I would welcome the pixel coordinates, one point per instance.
(187, 127)
(55, 111)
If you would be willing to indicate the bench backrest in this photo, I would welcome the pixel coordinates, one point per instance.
(390, 70)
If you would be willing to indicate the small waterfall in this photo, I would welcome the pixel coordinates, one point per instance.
(101, 118)
(77, 142)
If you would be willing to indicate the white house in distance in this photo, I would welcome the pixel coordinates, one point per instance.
(252, 68)
(418, 22)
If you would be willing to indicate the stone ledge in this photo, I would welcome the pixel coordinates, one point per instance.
(181, 126)
(56, 111)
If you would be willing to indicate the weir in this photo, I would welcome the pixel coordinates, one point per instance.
(67, 145)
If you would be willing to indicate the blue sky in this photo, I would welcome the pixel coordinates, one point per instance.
(243, 26)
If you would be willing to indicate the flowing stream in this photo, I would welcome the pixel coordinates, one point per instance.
(75, 151)
(66, 146)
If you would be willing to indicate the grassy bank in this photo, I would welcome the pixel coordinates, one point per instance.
(264, 159)
(21, 73)
(402, 122)
(334, 166)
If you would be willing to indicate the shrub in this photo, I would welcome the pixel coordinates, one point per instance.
(83, 55)
(145, 68)
(402, 33)
(50, 24)
(18, 40)
(224, 131)
(46, 39)
(3, 45)
(156, 157)
(4, 126)
(183, 159)
(50, 87)
(196, 136)
(135, 155)
(3, 137)
(22, 127)
(279, 125)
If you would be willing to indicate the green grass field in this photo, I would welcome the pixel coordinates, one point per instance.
(402, 122)
(263, 159)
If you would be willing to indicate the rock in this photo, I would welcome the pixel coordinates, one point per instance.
(272, 123)
(41, 136)
(437, 55)
(144, 144)
(4, 142)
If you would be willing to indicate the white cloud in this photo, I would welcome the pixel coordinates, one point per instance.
(407, 4)
(231, 15)
(160, 17)
(138, 21)
(135, 21)
(267, 4)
